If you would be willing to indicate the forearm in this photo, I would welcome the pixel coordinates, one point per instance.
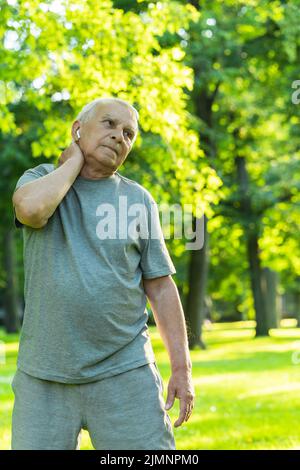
(169, 317)
(42, 196)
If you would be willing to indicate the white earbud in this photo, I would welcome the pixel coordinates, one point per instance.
(78, 133)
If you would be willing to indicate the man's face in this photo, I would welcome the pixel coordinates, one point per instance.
(111, 125)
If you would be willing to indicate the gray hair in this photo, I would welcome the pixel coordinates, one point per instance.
(87, 111)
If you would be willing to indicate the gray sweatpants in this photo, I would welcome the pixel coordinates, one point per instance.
(125, 412)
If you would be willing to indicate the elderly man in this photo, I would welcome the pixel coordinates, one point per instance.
(85, 359)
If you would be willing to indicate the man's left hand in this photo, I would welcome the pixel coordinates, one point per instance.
(181, 386)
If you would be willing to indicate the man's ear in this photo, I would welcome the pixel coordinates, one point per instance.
(75, 127)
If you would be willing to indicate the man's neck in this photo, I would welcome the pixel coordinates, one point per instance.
(95, 174)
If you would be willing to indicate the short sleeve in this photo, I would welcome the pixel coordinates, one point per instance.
(30, 175)
(155, 259)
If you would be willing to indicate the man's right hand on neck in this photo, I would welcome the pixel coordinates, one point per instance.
(73, 151)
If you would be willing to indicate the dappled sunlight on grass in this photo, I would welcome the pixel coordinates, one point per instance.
(288, 323)
(243, 325)
(85, 443)
(12, 347)
(281, 388)
(285, 333)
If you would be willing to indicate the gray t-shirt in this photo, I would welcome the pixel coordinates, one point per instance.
(85, 307)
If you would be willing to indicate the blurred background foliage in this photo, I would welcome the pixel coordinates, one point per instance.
(213, 83)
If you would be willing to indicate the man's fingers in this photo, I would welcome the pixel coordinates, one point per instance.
(189, 411)
(170, 397)
(186, 398)
(169, 404)
(182, 414)
(186, 408)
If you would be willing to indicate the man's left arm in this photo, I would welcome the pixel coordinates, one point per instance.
(169, 318)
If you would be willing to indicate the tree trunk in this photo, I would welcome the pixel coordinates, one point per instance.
(269, 288)
(197, 281)
(198, 265)
(11, 305)
(256, 284)
(297, 305)
(296, 302)
(251, 229)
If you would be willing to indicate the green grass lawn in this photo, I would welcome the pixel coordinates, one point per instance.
(247, 390)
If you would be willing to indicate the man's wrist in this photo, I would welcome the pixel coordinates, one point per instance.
(179, 367)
